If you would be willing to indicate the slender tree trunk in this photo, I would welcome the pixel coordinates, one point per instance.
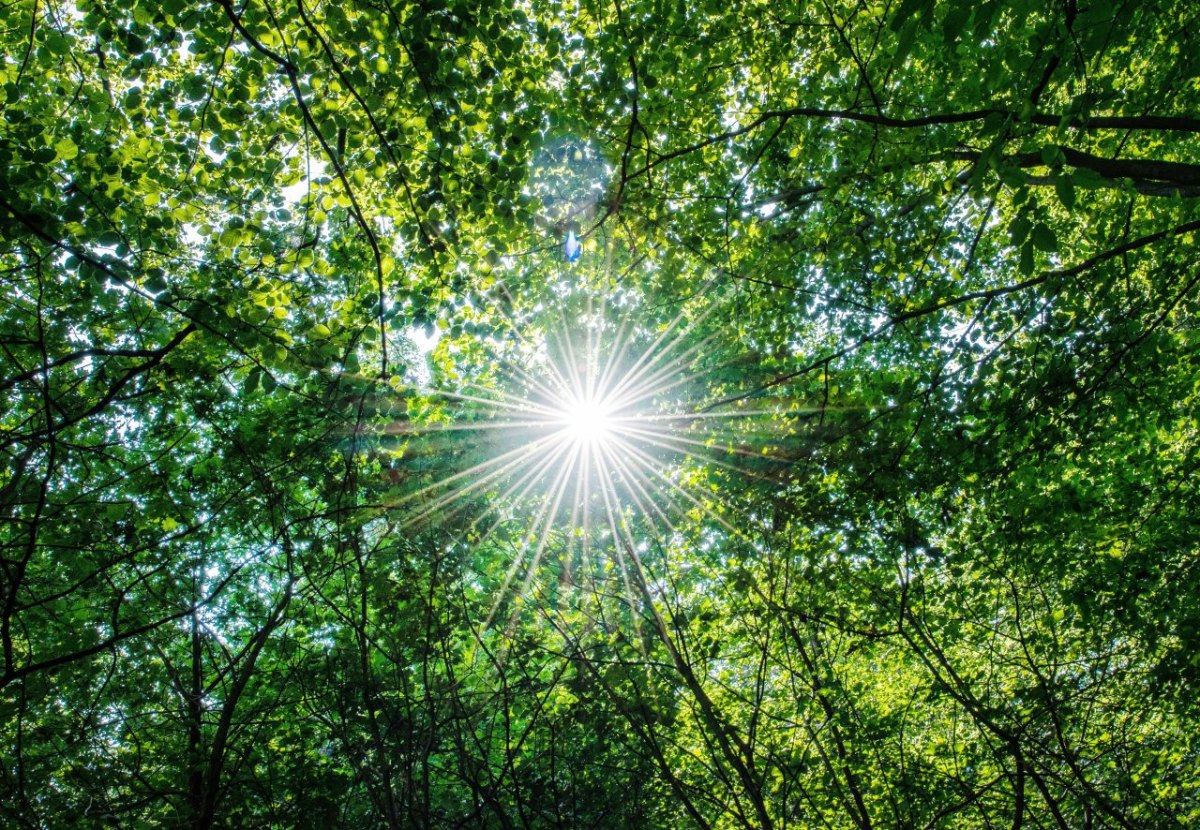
(195, 713)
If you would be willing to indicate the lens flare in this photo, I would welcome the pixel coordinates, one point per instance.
(588, 422)
(594, 435)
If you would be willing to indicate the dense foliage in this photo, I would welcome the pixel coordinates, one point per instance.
(945, 571)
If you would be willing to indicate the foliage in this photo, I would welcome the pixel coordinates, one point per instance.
(944, 571)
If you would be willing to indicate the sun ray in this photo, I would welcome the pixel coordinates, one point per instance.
(562, 339)
(654, 471)
(546, 515)
(518, 405)
(611, 499)
(699, 416)
(515, 326)
(549, 389)
(520, 378)
(521, 453)
(637, 490)
(409, 428)
(640, 389)
(680, 444)
(640, 505)
(526, 483)
(593, 436)
(657, 352)
(559, 492)
(620, 341)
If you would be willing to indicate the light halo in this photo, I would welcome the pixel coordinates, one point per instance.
(588, 421)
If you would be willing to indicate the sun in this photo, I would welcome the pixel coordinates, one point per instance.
(594, 435)
(587, 436)
(588, 421)
(587, 428)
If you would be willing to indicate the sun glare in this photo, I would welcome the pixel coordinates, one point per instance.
(587, 438)
(588, 422)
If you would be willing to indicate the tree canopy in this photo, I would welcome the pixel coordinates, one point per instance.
(581, 414)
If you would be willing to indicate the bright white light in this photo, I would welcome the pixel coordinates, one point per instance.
(588, 422)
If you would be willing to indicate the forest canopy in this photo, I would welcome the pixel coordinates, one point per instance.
(645, 413)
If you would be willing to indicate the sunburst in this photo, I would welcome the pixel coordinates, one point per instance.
(587, 435)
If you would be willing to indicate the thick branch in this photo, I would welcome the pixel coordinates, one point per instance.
(1167, 123)
(941, 305)
(1173, 177)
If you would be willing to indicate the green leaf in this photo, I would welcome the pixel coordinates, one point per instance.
(897, 483)
(134, 43)
(65, 149)
(1019, 228)
(1065, 190)
(1044, 238)
(57, 43)
(1027, 264)
(904, 43)
(253, 380)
